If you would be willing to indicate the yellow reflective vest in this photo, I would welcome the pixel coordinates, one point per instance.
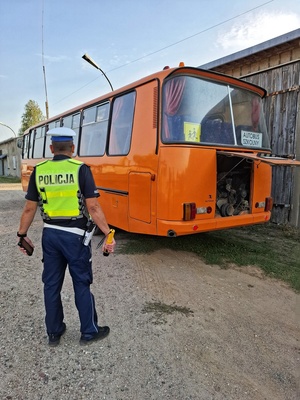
(58, 185)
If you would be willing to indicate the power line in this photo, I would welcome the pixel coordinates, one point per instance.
(189, 37)
(170, 45)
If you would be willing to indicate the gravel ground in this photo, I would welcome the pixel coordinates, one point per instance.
(180, 329)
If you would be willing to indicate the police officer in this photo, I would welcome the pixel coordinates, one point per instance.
(65, 192)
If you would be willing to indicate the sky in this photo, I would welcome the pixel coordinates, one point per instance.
(128, 39)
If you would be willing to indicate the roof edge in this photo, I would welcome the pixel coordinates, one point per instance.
(287, 37)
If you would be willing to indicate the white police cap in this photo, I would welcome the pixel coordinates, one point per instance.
(61, 134)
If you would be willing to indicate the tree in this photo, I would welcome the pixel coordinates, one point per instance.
(32, 115)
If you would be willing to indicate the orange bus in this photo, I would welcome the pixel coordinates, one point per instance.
(178, 152)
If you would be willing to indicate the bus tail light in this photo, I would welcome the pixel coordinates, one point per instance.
(189, 211)
(269, 204)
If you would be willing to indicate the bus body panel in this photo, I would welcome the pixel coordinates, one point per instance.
(190, 176)
(193, 179)
(140, 196)
(262, 181)
(26, 171)
(127, 184)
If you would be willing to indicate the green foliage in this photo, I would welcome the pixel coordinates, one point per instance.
(160, 310)
(32, 115)
(9, 179)
(274, 249)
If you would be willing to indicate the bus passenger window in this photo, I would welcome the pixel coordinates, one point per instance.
(73, 122)
(51, 125)
(94, 130)
(173, 121)
(121, 124)
(39, 139)
(26, 146)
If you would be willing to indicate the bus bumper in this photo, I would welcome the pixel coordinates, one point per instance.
(180, 228)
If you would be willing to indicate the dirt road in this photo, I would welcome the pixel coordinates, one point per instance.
(180, 329)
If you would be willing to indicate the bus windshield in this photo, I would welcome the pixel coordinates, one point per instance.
(206, 112)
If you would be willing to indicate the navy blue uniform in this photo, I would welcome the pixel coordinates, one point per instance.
(62, 246)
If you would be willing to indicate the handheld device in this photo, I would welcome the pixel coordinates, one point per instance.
(110, 238)
(88, 234)
(25, 245)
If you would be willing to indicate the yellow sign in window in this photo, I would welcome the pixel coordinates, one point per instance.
(192, 132)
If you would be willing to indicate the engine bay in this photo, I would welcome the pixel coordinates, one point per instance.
(233, 185)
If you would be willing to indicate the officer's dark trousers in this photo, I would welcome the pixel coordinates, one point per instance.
(60, 249)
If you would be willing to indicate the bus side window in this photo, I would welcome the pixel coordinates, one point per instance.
(121, 124)
(51, 125)
(175, 127)
(94, 130)
(39, 141)
(73, 122)
(25, 146)
(30, 144)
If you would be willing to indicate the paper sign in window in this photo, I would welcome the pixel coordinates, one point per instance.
(192, 132)
(251, 139)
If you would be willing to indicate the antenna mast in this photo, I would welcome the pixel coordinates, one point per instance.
(44, 70)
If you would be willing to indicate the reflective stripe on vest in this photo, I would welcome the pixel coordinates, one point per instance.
(58, 185)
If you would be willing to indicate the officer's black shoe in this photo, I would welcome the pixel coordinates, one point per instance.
(55, 339)
(101, 334)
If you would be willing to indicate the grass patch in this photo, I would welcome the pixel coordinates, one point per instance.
(274, 249)
(9, 179)
(160, 310)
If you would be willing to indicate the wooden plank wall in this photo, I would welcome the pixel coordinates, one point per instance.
(281, 107)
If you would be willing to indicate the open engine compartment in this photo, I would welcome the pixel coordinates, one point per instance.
(233, 185)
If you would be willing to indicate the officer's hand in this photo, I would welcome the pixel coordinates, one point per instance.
(109, 247)
(25, 245)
